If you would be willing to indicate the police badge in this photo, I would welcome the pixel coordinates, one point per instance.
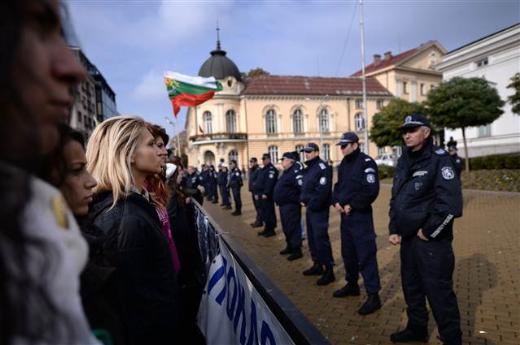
(447, 173)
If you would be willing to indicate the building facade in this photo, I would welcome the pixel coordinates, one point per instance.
(275, 114)
(496, 58)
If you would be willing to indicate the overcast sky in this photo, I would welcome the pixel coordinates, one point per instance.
(133, 42)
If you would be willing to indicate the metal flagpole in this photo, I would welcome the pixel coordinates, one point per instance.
(363, 77)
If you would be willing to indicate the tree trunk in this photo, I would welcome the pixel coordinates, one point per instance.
(466, 157)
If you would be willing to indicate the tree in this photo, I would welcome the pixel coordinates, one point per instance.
(256, 72)
(385, 124)
(462, 103)
(514, 99)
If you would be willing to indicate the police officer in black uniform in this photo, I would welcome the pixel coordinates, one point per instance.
(457, 161)
(316, 197)
(287, 197)
(254, 169)
(426, 197)
(223, 186)
(263, 188)
(190, 184)
(212, 184)
(357, 188)
(235, 184)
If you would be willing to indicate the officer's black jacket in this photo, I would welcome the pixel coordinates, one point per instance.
(358, 182)
(457, 164)
(191, 181)
(265, 181)
(426, 194)
(287, 189)
(253, 175)
(235, 178)
(222, 178)
(317, 185)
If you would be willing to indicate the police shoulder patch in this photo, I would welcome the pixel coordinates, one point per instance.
(440, 152)
(369, 170)
(368, 159)
(447, 173)
(323, 180)
(323, 166)
(371, 178)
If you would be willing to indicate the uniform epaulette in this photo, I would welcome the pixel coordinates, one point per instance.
(322, 166)
(440, 152)
(368, 159)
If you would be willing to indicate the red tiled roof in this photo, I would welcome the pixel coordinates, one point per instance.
(300, 85)
(385, 63)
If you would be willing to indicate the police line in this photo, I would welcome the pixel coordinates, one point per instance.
(240, 305)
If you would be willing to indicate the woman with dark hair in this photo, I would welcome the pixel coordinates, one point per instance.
(41, 249)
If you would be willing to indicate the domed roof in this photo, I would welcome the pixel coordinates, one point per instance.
(219, 66)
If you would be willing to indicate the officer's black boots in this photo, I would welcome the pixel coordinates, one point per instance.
(347, 290)
(295, 255)
(256, 225)
(372, 304)
(236, 213)
(327, 277)
(228, 207)
(409, 335)
(315, 270)
(286, 250)
(269, 233)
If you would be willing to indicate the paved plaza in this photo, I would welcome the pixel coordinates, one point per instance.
(487, 279)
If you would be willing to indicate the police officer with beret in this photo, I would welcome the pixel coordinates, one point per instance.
(235, 183)
(222, 182)
(263, 189)
(254, 169)
(287, 197)
(316, 197)
(357, 188)
(426, 197)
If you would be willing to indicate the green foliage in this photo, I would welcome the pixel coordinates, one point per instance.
(385, 171)
(461, 102)
(385, 124)
(493, 162)
(514, 99)
(256, 72)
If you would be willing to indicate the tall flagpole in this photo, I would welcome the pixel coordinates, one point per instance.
(363, 77)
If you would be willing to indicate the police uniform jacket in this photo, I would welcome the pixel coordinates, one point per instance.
(287, 189)
(426, 194)
(235, 178)
(358, 182)
(266, 180)
(253, 175)
(192, 181)
(222, 178)
(317, 185)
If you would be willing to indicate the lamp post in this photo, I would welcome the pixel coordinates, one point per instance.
(363, 77)
(178, 148)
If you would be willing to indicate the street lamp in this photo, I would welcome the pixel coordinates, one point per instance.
(178, 148)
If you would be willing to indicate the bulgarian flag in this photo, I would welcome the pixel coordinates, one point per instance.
(189, 91)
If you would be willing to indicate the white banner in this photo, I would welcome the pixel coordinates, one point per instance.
(232, 311)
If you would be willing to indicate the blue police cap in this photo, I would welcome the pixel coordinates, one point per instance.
(310, 147)
(415, 120)
(348, 137)
(290, 155)
(266, 156)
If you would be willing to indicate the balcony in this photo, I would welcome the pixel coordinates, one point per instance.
(218, 137)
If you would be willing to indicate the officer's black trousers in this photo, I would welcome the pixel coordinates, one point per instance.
(426, 272)
(291, 218)
(237, 198)
(318, 236)
(224, 193)
(258, 210)
(268, 213)
(359, 250)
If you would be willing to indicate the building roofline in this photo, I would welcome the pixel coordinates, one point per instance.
(482, 38)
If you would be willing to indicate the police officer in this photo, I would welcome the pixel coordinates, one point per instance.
(204, 179)
(287, 197)
(457, 162)
(254, 169)
(263, 188)
(235, 183)
(212, 184)
(426, 197)
(357, 188)
(190, 184)
(316, 197)
(222, 182)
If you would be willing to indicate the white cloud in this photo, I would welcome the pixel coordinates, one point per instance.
(151, 87)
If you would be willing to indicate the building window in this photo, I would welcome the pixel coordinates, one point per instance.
(381, 151)
(405, 87)
(273, 152)
(432, 86)
(482, 63)
(380, 103)
(299, 149)
(484, 131)
(422, 89)
(298, 121)
(208, 128)
(359, 122)
(231, 121)
(324, 121)
(326, 152)
(232, 155)
(359, 103)
(270, 122)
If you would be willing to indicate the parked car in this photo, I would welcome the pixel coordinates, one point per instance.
(386, 159)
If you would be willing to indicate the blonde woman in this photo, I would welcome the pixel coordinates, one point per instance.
(143, 291)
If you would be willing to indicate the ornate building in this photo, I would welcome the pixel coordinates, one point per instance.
(276, 114)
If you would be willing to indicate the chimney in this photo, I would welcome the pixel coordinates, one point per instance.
(377, 59)
(388, 55)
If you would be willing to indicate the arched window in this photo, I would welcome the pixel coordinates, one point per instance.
(326, 152)
(270, 122)
(324, 121)
(208, 127)
(298, 149)
(273, 152)
(298, 121)
(232, 155)
(231, 121)
(359, 122)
